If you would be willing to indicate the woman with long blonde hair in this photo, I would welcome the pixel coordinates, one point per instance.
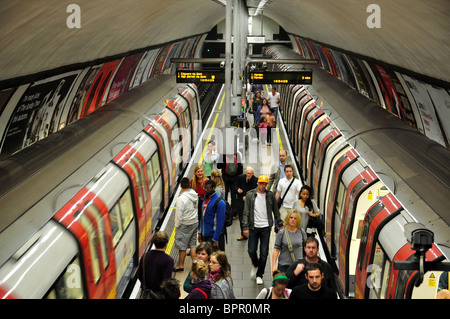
(216, 176)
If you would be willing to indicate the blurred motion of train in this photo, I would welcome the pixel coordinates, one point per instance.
(77, 227)
(371, 174)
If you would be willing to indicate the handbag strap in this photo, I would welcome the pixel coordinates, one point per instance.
(287, 190)
(291, 250)
(204, 293)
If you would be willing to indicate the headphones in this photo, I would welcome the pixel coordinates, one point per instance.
(278, 277)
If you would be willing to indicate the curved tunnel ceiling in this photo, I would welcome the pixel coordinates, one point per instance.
(34, 36)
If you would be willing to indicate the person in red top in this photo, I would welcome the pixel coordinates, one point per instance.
(198, 184)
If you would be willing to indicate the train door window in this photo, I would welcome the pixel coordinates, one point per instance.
(365, 233)
(138, 172)
(94, 265)
(121, 215)
(100, 234)
(69, 285)
(380, 273)
(352, 202)
(188, 116)
(340, 199)
(156, 168)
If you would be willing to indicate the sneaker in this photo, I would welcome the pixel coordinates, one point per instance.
(259, 281)
(253, 272)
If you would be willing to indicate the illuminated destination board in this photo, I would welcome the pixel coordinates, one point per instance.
(196, 76)
(274, 77)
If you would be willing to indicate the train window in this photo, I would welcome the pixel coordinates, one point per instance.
(365, 233)
(188, 117)
(116, 223)
(121, 215)
(100, 235)
(156, 166)
(351, 204)
(340, 198)
(380, 272)
(69, 285)
(126, 208)
(139, 182)
(151, 178)
(94, 265)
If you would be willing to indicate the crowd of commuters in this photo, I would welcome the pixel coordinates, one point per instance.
(262, 204)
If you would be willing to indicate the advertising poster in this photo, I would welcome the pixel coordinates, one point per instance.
(80, 97)
(98, 88)
(123, 76)
(35, 116)
(441, 102)
(4, 98)
(426, 109)
(388, 91)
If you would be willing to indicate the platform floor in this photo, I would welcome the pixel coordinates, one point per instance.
(244, 287)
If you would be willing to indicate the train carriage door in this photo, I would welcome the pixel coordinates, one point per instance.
(86, 217)
(178, 133)
(339, 167)
(156, 186)
(163, 162)
(386, 208)
(291, 112)
(133, 164)
(300, 123)
(164, 124)
(296, 119)
(319, 149)
(192, 97)
(360, 197)
(188, 132)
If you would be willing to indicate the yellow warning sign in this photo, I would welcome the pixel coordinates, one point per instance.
(432, 281)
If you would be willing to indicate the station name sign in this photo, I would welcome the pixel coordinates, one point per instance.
(280, 77)
(197, 76)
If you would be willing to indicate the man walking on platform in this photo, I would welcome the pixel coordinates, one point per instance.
(288, 189)
(260, 209)
(245, 183)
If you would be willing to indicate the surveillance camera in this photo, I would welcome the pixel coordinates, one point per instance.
(222, 64)
(419, 237)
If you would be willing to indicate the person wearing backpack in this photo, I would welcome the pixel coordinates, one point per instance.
(212, 220)
(231, 168)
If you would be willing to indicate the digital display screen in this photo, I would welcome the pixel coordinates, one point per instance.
(197, 76)
(274, 77)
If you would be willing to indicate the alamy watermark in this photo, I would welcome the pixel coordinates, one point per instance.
(74, 19)
(374, 19)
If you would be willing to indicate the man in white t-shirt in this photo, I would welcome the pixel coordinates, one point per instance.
(260, 209)
(292, 192)
(274, 101)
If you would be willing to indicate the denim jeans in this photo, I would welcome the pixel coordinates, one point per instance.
(263, 236)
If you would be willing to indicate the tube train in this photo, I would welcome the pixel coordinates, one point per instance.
(78, 208)
(371, 175)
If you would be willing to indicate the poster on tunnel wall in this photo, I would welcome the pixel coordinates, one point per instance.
(426, 109)
(37, 113)
(99, 87)
(124, 75)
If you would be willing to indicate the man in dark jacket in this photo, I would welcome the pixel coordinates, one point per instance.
(260, 209)
(296, 271)
(245, 183)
